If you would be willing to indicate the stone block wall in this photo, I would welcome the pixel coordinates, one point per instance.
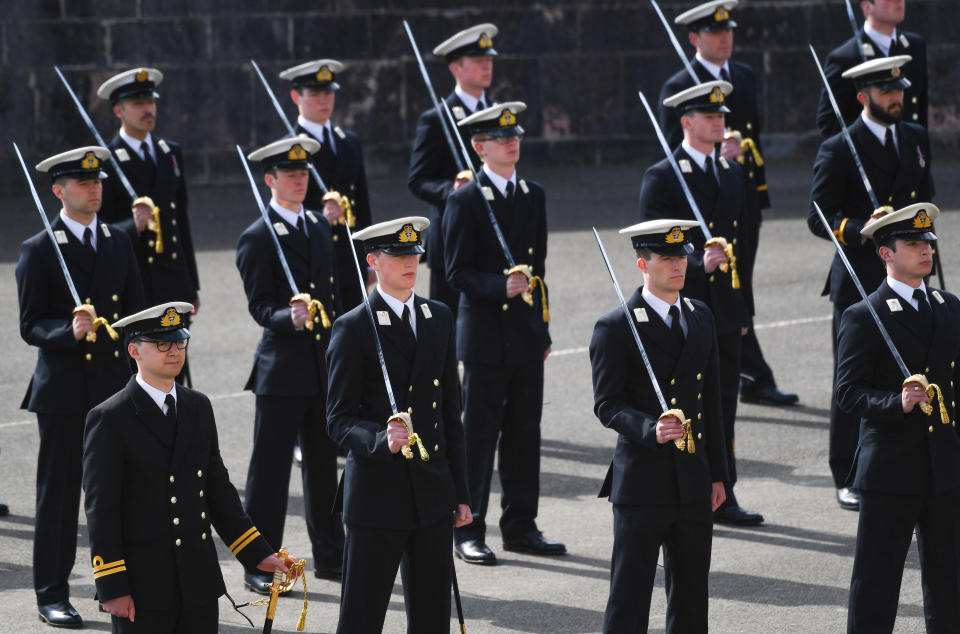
(577, 63)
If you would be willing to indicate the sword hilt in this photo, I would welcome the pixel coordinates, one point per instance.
(345, 205)
(154, 223)
(98, 322)
(932, 390)
(731, 263)
(684, 442)
(314, 306)
(527, 271)
(412, 437)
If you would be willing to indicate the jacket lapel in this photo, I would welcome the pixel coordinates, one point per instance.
(696, 339)
(186, 429)
(871, 151)
(650, 326)
(523, 215)
(426, 339)
(294, 242)
(103, 271)
(393, 336)
(150, 415)
(905, 318)
(78, 262)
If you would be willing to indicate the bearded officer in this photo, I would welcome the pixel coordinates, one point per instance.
(73, 373)
(433, 174)
(896, 158)
(289, 373)
(339, 161)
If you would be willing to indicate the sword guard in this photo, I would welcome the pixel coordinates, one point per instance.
(314, 306)
(685, 442)
(414, 439)
(154, 223)
(98, 322)
(932, 391)
(348, 217)
(527, 271)
(882, 211)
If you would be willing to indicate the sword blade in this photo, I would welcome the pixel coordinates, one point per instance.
(286, 122)
(856, 30)
(633, 326)
(373, 323)
(845, 132)
(96, 135)
(266, 220)
(863, 293)
(49, 229)
(676, 44)
(676, 169)
(434, 99)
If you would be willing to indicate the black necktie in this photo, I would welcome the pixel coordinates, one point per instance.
(480, 105)
(675, 328)
(326, 139)
(171, 404)
(509, 191)
(147, 157)
(890, 147)
(708, 168)
(923, 307)
(88, 240)
(724, 75)
(408, 323)
(300, 225)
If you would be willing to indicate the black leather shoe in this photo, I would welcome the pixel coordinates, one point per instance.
(736, 516)
(333, 573)
(848, 499)
(534, 543)
(767, 395)
(474, 551)
(4, 509)
(60, 614)
(258, 581)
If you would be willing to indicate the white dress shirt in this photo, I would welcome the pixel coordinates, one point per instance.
(499, 181)
(470, 101)
(77, 229)
(699, 157)
(397, 307)
(662, 308)
(905, 291)
(290, 216)
(882, 40)
(159, 397)
(879, 130)
(136, 143)
(316, 130)
(713, 68)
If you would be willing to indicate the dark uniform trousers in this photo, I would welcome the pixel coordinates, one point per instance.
(907, 466)
(289, 380)
(432, 172)
(723, 204)
(70, 377)
(838, 189)
(156, 487)
(170, 275)
(744, 117)
(398, 512)
(343, 171)
(848, 55)
(660, 495)
(501, 343)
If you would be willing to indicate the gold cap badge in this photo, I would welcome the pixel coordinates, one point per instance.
(507, 119)
(297, 153)
(721, 15)
(324, 74)
(716, 96)
(407, 234)
(895, 72)
(922, 220)
(675, 236)
(90, 161)
(142, 75)
(484, 41)
(170, 318)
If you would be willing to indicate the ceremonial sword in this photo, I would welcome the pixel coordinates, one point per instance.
(856, 31)
(685, 441)
(710, 240)
(79, 306)
(931, 389)
(676, 44)
(313, 305)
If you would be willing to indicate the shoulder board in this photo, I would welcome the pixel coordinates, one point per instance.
(641, 315)
(425, 309)
(689, 303)
(487, 192)
(523, 186)
(61, 236)
(894, 305)
(458, 112)
(163, 146)
(281, 229)
(105, 230)
(685, 166)
(122, 155)
(339, 132)
(936, 294)
(312, 218)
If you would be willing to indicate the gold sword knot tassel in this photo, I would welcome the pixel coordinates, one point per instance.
(932, 390)
(98, 322)
(348, 217)
(413, 438)
(731, 258)
(314, 306)
(154, 223)
(285, 582)
(684, 442)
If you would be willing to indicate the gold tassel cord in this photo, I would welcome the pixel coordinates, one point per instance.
(98, 322)
(933, 391)
(412, 439)
(348, 218)
(749, 145)
(731, 263)
(283, 583)
(154, 223)
(685, 442)
(536, 279)
(314, 306)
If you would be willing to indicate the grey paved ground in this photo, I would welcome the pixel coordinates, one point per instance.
(790, 575)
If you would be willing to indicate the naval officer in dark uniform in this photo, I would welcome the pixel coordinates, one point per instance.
(669, 467)
(289, 372)
(896, 158)
(73, 372)
(155, 485)
(881, 36)
(400, 502)
(503, 337)
(723, 197)
(711, 27)
(433, 174)
(907, 467)
(157, 221)
(339, 161)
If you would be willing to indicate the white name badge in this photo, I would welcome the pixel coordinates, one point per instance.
(312, 218)
(894, 305)
(163, 146)
(105, 230)
(487, 193)
(685, 166)
(339, 132)
(689, 303)
(937, 296)
(426, 311)
(640, 314)
(280, 228)
(122, 155)
(523, 186)
(383, 318)
(61, 236)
